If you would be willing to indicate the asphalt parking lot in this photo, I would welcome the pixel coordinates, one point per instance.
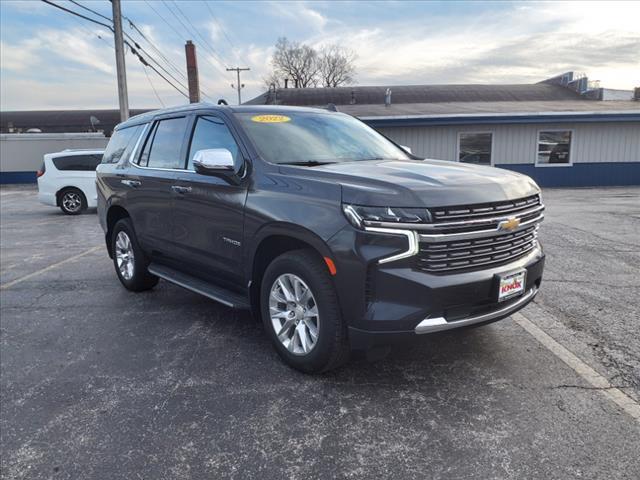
(98, 382)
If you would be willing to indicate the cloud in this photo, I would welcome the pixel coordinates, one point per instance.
(61, 67)
(525, 44)
(301, 14)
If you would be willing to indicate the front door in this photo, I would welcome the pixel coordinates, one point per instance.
(208, 214)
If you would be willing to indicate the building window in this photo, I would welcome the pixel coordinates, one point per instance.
(554, 147)
(475, 147)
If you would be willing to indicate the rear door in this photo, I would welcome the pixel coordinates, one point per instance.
(149, 182)
(208, 218)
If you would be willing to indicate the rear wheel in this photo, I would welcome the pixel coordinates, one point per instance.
(72, 201)
(129, 259)
(300, 313)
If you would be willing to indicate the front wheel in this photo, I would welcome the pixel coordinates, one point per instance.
(129, 259)
(300, 313)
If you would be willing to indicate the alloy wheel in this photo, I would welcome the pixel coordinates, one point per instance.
(124, 255)
(72, 202)
(294, 314)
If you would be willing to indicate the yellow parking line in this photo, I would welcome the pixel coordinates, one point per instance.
(596, 380)
(10, 284)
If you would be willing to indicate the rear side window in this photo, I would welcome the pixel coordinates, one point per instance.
(82, 163)
(211, 132)
(121, 143)
(164, 146)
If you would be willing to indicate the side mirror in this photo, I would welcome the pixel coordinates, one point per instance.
(406, 149)
(216, 162)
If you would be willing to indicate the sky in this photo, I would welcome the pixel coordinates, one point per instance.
(52, 60)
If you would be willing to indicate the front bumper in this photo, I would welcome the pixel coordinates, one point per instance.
(383, 303)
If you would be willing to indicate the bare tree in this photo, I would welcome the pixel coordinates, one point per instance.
(271, 80)
(296, 61)
(336, 66)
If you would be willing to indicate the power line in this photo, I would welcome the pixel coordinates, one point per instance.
(204, 40)
(90, 10)
(133, 50)
(210, 52)
(138, 46)
(144, 69)
(178, 34)
(78, 14)
(156, 49)
(240, 58)
(147, 64)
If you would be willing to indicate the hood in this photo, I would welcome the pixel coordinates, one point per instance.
(420, 183)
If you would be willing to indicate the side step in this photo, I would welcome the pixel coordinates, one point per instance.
(214, 292)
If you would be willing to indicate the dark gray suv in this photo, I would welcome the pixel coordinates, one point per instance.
(334, 236)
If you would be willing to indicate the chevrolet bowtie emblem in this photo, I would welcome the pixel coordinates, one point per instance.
(509, 224)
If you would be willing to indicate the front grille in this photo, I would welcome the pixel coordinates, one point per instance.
(472, 237)
(476, 253)
(484, 210)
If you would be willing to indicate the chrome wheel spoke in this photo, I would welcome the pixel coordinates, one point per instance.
(294, 314)
(311, 312)
(305, 342)
(286, 326)
(313, 330)
(286, 289)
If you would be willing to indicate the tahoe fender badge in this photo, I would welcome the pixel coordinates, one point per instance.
(233, 242)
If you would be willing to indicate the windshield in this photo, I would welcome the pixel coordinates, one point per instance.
(316, 138)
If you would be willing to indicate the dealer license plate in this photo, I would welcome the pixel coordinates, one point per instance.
(511, 285)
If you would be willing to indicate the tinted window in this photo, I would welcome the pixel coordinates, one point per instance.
(316, 137)
(121, 143)
(475, 148)
(211, 132)
(554, 147)
(84, 163)
(166, 144)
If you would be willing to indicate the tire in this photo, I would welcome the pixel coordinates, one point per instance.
(297, 270)
(129, 260)
(72, 201)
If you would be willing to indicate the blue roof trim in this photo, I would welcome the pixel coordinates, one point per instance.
(494, 119)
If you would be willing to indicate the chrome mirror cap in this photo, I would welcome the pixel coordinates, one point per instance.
(213, 160)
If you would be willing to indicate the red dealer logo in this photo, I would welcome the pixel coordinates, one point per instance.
(515, 285)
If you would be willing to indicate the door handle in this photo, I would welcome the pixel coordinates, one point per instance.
(180, 189)
(131, 183)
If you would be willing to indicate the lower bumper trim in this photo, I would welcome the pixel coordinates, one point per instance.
(429, 325)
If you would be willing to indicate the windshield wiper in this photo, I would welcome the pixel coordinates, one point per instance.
(310, 163)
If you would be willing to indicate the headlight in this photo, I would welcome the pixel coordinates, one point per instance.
(359, 216)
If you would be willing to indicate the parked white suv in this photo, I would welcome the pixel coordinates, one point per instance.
(67, 180)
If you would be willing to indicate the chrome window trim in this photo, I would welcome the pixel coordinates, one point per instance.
(137, 146)
(142, 135)
(412, 239)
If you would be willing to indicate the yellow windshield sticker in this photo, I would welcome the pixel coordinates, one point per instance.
(270, 119)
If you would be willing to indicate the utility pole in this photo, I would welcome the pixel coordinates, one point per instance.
(192, 72)
(239, 85)
(123, 97)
